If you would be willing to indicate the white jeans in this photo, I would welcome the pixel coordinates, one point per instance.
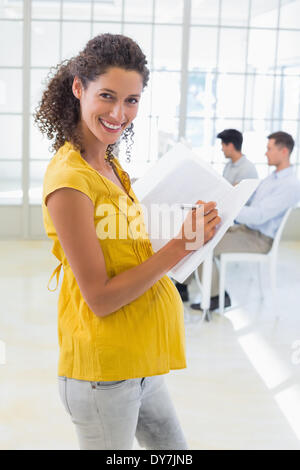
(108, 415)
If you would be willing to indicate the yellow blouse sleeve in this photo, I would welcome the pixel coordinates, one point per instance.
(67, 178)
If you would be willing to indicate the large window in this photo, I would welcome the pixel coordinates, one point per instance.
(243, 73)
(214, 64)
(11, 101)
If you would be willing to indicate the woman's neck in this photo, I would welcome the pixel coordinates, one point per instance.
(94, 150)
(95, 156)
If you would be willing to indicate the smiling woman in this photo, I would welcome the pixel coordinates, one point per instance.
(74, 84)
(113, 108)
(120, 318)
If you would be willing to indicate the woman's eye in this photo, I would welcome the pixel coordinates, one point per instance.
(106, 95)
(132, 100)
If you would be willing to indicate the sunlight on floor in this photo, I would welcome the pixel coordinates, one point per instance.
(289, 402)
(269, 366)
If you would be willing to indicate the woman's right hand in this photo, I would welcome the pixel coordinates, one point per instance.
(199, 227)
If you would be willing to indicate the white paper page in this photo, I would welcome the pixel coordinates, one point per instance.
(181, 177)
(174, 191)
(179, 159)
(233, 204)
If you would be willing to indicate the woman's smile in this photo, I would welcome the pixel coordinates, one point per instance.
(111, 127)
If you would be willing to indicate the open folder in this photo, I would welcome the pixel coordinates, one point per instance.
(182, 177)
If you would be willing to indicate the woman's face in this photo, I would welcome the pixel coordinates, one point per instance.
(109, 104)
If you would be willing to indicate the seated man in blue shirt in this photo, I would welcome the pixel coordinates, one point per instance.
(258, 221)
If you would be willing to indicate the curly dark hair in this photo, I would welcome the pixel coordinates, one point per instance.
(58, 113)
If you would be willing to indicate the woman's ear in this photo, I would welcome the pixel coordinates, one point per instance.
(76, 87)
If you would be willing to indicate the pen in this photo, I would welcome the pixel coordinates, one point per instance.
(190, 206)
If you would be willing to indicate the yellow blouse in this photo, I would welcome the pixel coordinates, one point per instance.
(143, 338)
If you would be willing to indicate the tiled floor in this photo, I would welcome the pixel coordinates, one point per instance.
(241, 389)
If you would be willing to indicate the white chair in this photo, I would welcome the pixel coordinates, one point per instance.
(270, 258)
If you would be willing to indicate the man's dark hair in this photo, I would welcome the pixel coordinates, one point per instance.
(232, 136)
(283, 139)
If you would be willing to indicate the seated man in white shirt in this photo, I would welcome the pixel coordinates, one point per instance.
(258, 221)
(238, 167)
